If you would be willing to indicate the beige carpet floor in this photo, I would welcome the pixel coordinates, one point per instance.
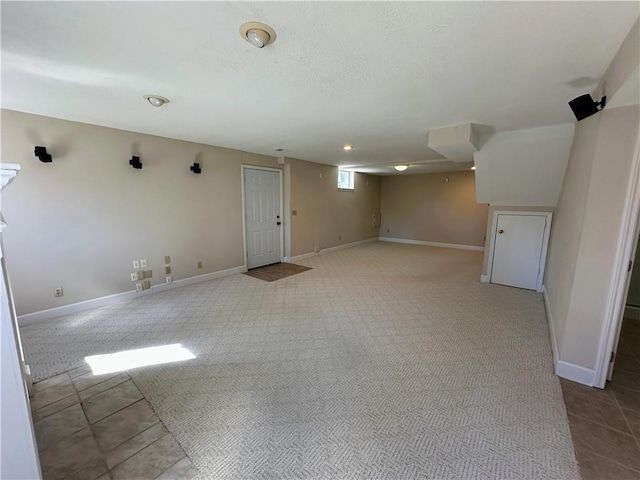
(385, 361)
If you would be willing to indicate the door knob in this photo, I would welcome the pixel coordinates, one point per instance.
(500, 231)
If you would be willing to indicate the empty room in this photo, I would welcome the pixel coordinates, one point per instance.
(320, 240)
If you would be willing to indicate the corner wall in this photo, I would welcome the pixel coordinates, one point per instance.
(428, 208)
(589, 224)
(326, 217)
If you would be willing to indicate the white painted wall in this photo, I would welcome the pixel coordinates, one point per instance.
(523, 167)
(18, 451)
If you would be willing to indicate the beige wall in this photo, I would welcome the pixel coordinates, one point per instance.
(427, 208)
(80, 221)
(567, 224)
(523, 167)
(622, 66)
(588, 221)
(593, 267)
(327, 217)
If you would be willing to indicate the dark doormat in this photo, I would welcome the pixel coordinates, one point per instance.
(271, 273)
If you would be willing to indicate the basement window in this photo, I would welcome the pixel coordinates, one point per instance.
(345, 180)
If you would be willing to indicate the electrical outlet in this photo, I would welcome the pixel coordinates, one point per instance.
(147, 274)
(167, 259)
(169, 279)
(143, 263)
(167, 270)
(146, 284)
(139, 287)
(199, 265)
(57, 292)
(136, 264)
(134, 276)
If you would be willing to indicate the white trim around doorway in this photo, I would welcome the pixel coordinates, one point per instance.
(545, 244)
(244, 212)
(627, 241)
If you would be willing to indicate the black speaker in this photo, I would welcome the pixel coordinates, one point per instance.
(41, 153)
(195, 168)
(584, 106)
(135, 162)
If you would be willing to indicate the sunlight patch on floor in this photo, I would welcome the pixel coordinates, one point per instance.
(141, 357)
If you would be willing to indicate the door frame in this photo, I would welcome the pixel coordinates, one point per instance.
(545, 242)
(627, 242)
(244, 212)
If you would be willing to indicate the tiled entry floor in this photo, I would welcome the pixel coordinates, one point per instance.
(605, 424)
(92, 427)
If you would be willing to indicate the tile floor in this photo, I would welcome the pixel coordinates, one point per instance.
(605, 424)
(277, 271)
(92, 427)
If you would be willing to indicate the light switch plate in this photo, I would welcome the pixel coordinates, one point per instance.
(167, 270)
(167, 259)
(146, 284)
(148, 274)
(136, 264)
(169, 279)
(134, 276)
(139, 287)
(143, 263)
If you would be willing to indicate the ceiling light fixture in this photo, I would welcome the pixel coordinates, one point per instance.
(347, 147)
(401, 168)
(156, 100)
(258, 34)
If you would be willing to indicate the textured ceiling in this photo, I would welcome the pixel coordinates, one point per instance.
(378, 76)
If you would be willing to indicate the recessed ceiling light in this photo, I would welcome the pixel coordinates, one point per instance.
(347, 147)
(473, 168)
(156, 100)
(258, 34)
(401, 168)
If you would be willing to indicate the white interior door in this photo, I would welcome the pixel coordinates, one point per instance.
(263, 217)
(519, 241)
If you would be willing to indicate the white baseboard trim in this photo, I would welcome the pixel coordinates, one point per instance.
(51, 313)
(329, 250)
(570, 371)
(576, 373)
(632, 312)
(432, 244)
(197, 279)
(484, 278)
(552, 330)
(297, 258)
